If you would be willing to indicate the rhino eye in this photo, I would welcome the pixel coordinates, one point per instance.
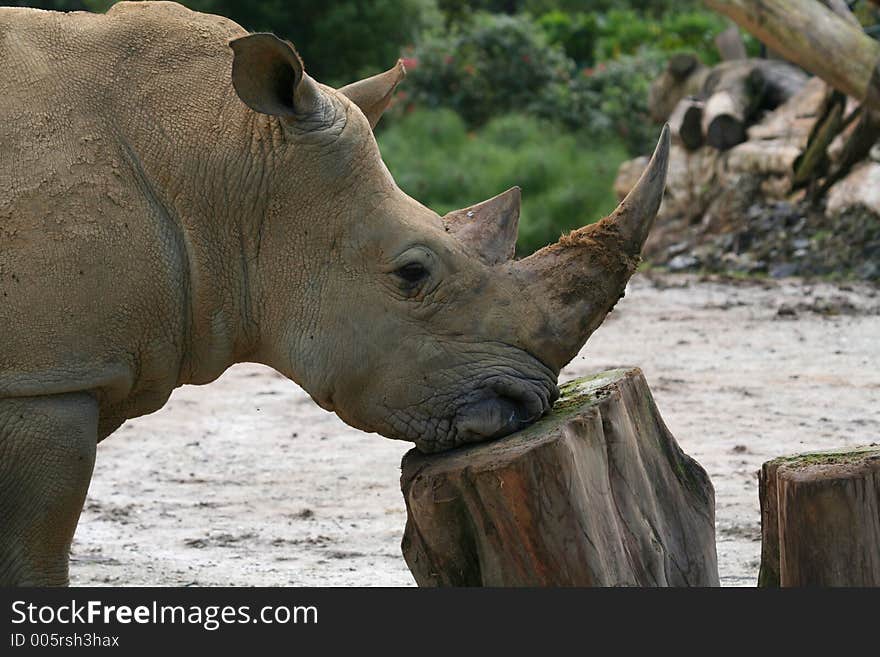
(411, 274)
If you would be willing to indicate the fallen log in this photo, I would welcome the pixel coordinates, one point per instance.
(820, 519)
(597, 493)
(782, 137)
(725, 117)
(811, 35)
(686, 122)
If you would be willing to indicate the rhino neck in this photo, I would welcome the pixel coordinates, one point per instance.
(209, 191)
(222, 221)
(311, 260)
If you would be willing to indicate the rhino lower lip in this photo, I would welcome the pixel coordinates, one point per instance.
(492, 418)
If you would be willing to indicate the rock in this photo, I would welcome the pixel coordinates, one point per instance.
(783, 270)
(628, 175)
(683, 263)
(860, 188)
(869, 271)
(677, 249)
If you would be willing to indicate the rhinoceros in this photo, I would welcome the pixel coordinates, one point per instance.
(178, 195)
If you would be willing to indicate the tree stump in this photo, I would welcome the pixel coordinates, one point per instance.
(597, 493)
(820, 519)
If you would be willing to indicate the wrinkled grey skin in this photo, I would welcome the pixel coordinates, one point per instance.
(177, 196)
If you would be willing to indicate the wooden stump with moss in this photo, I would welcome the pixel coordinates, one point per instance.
(820, 519)
(597, 493)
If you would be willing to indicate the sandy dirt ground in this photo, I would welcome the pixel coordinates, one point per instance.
(247, 482)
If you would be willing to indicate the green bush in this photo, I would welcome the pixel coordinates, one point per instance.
(576, 33)
(624, 32)
(612, 98)
(496, 64)
(566, 177)
(462, 10)
(627, 32)
(493, 65)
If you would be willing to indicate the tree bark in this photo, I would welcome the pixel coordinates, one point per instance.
(820, 519)
(811, 35)
(597, 493)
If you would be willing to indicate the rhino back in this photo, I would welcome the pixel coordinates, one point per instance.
(105, 124)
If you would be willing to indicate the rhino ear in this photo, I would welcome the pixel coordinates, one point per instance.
(269, 77)
(373, 95)
(488, 228)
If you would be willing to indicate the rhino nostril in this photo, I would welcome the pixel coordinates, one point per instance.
(506, 407)
(530, 401)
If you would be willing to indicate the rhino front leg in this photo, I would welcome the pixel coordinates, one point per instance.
(47, 453)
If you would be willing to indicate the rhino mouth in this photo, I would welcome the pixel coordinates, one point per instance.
(503, 407)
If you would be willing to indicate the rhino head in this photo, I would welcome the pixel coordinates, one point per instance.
(405, 323)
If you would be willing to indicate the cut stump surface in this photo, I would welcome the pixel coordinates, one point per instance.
(597, 493)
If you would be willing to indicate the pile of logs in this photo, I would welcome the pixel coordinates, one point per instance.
(717, 105)
(816, 138)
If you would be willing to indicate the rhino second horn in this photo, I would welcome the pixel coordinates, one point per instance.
(488, 229)
(575, 282)
(373, 95)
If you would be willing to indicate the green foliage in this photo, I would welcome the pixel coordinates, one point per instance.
(500, 64)
(566, 177)
(625, 32)
(612, 98)
(576, 33)
(461, 10)
(493, 65)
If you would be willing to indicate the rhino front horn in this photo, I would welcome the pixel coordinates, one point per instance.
(635, 214)
(576, 281)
